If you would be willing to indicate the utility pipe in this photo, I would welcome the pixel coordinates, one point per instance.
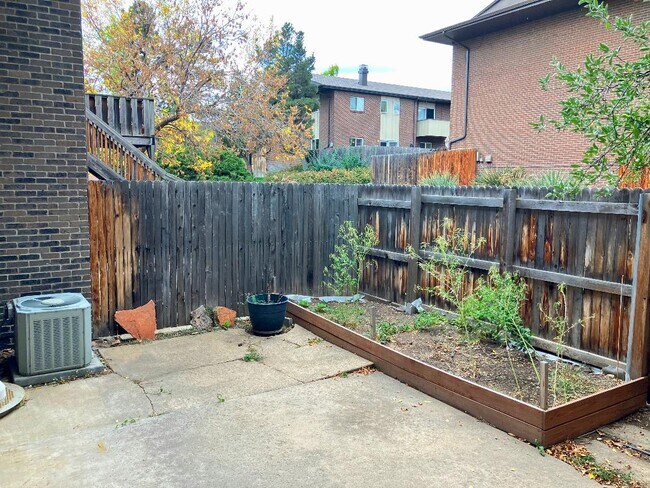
(458, 139)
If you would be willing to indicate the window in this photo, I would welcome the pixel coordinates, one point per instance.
(389, 143)
(356, 104)
(314, 144)
(384, 107)
(426, 145)
(356, 141)
(426, 113)
(396, 107)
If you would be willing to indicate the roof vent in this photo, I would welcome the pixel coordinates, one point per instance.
(363, 75)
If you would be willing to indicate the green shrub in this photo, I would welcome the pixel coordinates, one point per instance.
(341, 176)
(346, 314)
(337, 160)
(349, 258)
(386, 330)
(229, 167)
(439, 179)
(215, 165)
(428, 320)
(494, 307)
(501, 177)
(549, 179)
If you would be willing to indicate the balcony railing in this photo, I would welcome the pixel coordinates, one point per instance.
(433, 128)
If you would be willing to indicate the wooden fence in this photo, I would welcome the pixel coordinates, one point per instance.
(411, 169)
(185, 244)
(589, 245)
(366, 152)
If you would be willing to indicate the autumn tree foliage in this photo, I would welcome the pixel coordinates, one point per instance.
(178, 52)
(196, 59)
(258, 116)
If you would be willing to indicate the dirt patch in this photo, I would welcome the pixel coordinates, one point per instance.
(506, 370)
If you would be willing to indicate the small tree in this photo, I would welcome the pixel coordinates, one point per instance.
(608, 103)
(349, 258)
(446, 266)
(333, 70)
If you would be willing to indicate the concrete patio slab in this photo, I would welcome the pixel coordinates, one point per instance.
(300, 336)
(635, 434)
(211, 385)
(71, 408)
(154, 359)
(637, 468)
(357, 431)
(314, 362)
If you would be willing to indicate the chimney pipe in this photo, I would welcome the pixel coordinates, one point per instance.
(363, 74)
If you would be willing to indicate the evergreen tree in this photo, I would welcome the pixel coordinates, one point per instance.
(285, 52)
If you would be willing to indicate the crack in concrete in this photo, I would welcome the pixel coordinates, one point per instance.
(138, 383)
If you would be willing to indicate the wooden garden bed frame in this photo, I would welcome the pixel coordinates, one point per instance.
(546, 427)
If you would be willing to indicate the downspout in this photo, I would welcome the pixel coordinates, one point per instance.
(466, 102)
(329, 120)
(415, 122)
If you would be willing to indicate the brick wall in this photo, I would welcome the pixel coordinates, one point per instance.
(324, 121)
(504, 94)
(346, 124)
(342, 123)
(442, 111)
(43, 204)
(407, 122)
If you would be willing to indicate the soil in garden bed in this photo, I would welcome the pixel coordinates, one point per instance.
(444, 346)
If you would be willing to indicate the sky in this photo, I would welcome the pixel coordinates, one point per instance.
(383, 35)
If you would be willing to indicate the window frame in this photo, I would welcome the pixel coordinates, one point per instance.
(397, 107)
(426, 112)
(383, 107)
(355, 140)
(354, 104)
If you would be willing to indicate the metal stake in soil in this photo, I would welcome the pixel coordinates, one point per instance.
(373, 323)
(543, 385)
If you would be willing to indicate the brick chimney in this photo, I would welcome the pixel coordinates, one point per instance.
(363, 74)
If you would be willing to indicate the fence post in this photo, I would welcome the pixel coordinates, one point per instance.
(639, 335)
(415, 234)
(508, 229)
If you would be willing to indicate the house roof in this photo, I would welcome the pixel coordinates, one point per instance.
(500, 14)
(352, 85)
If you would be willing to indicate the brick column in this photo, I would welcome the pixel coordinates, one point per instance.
(44, 244)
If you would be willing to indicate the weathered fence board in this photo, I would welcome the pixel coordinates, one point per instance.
(411, 168)
(588, 245)
(185, 244)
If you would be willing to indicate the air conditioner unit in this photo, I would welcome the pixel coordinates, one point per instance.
(53, 333)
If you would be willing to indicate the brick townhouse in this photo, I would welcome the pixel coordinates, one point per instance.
(499, 57)
(44, 244)
(365, 113)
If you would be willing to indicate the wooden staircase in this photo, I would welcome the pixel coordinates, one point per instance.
(120, 139)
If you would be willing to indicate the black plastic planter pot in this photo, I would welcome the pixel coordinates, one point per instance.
(267, 318)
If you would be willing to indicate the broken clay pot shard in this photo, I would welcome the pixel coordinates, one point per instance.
(139, 322)
(224, 316)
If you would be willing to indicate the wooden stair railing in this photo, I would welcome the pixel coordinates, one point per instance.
(110, 148)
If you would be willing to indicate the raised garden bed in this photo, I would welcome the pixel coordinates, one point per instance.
(504, 411)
